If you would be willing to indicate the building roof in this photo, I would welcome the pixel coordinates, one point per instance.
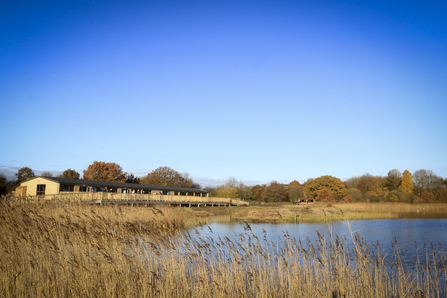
(70, 181)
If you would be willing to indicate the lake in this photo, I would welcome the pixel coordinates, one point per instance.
(383, 260)
(410, 230)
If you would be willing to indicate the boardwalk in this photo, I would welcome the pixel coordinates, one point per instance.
(129, 198)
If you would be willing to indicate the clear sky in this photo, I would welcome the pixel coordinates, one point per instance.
(257, 90)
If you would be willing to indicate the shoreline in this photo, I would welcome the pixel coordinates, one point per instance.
(288, 213)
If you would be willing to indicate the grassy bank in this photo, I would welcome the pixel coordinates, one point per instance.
(288, 213)
(109, 251)
(393, 207)
(321, 212)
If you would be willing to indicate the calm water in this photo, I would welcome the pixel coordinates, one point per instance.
(407, 231)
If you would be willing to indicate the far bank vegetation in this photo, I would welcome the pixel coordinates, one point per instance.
(422, 186)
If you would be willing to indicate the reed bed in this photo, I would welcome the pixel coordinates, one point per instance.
(346, 215)
(393, 207)
(88, 251)
(306, 214)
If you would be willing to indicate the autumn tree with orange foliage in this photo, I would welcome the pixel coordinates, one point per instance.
(313, 186)
(69, 173)
(325, 195)
(258, 192)
(426, 196)
(348, 199)
(294, 183)
(165, 176)
(273, 192)
(407, 183)
(253, 190)
(104, 171)
(276, 192)
(442, 192)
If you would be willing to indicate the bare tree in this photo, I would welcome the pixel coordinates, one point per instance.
(231, 182)
(393, 179)
(46, 174)
(426, 180)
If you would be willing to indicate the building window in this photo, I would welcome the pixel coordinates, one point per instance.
(40, 189)
(183, 193)
(64, 187)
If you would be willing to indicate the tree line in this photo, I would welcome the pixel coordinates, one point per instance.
(106, 171)
(421, 186)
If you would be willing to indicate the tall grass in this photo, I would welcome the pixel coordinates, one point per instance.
(393, 207)
(88, 251)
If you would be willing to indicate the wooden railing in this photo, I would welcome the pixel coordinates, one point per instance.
(99, 197)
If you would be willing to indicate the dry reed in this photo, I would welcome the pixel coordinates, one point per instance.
(93, 251)
(393, 207)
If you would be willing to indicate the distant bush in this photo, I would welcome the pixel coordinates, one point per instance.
(355, 194)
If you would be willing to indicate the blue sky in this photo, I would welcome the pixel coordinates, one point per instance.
(257, 90)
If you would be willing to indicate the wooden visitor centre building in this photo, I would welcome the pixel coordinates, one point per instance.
(55, 185)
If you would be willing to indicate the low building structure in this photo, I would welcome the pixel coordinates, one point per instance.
(56, 185)
(305, 200)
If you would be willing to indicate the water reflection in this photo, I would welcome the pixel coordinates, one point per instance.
(224, 218)
(422, 214)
